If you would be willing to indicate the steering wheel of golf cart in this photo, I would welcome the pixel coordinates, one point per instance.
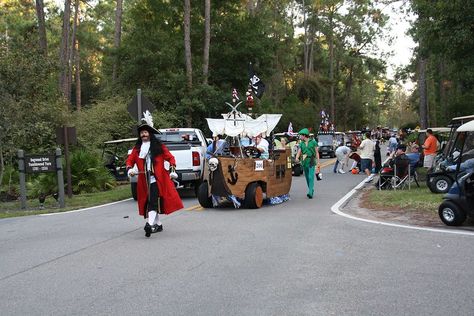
(252, 152)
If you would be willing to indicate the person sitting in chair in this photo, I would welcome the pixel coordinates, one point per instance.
(414, 156)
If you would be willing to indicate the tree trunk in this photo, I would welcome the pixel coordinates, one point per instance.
(207, 40)
(2, 165)
(331, 68)
(442, 91)
(72, 46)
(423, 93)
(78, 77)
(187, 53)
(251, 7)
(117, 37)
(64, 53)
(41, 27)
(305, 46)
(348, 95)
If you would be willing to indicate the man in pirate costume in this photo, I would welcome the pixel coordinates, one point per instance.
(156, 193)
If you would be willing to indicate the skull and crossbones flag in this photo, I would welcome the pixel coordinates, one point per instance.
(258, 87)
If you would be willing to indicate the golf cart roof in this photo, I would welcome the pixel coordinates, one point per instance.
(437, 130)
(466, 127)
(460, 120)
(119, 141)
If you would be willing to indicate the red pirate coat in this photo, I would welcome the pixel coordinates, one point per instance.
(170, 200)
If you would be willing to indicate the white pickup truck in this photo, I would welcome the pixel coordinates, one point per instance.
(188, 146)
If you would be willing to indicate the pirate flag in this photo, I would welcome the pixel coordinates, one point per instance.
(258, 87)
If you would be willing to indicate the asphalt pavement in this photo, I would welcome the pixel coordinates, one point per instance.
(296, 258)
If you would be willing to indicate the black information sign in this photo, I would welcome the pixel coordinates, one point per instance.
(40, 163)
(133, 106)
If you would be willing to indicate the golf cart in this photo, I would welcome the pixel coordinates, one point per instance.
(326, 145)
(459, 201)
(292, 139)
(437, 179)
(352, 140)
(242, 177)
(114, 155)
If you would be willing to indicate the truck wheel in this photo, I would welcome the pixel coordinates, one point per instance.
(451, 214)
(133, 185)
(196, 187)
(440, 184)
(253, 196)
(204, 199)
(297, 170)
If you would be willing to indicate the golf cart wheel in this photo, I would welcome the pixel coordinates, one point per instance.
(203, 197)
(451, 214)
(133, 185)
(253, 196)
(440, 184)
(297, 170)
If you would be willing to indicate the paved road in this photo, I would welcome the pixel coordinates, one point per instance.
(296, 258)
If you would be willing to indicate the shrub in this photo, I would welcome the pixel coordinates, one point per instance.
(89, 174)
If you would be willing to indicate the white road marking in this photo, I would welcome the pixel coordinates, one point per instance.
(83, 209)
(335, 209)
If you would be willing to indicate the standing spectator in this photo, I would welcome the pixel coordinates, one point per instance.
(392, 144)
(377, 156)
(367, 148)
(430, 146)
(342, 155)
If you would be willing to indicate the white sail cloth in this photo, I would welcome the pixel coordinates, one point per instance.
(243, 125)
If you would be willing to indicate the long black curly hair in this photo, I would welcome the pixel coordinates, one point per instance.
(155, 145)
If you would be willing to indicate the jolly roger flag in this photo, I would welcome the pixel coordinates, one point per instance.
(258, 87)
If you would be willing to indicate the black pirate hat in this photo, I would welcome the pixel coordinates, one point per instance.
(147, 124)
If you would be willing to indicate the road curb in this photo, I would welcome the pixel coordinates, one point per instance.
(336, 209)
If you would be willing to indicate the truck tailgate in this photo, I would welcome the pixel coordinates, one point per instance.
(183, 156)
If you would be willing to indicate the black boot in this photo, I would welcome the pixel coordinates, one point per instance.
(156, 228)
(148, 230)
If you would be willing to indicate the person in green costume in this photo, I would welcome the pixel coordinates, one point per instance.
(308, 151)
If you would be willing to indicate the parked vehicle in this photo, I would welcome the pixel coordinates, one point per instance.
(188, 146)
(437, 179)
(339, 138)
(352, 139)
(293, 139)
(458, 203)
(326, 144)
(114, 155)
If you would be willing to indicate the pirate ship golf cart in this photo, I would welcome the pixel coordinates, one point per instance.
(242, 176)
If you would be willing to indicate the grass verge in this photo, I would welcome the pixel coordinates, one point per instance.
(419, 199)
(13, 209)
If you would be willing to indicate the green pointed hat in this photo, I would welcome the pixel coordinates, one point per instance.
(304, 131)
